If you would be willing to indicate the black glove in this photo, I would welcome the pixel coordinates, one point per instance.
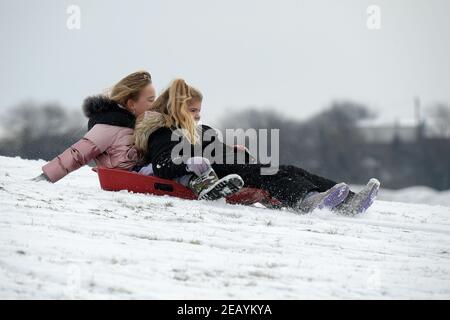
(41, 177)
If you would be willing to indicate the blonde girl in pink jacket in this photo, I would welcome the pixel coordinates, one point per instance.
(109, 141)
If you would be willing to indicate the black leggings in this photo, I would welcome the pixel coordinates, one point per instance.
(289, 185)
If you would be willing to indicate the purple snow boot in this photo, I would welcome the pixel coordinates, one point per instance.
(324, 200)
(361, 201)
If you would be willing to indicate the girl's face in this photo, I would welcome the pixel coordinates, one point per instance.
(144, 102)
(194, 108)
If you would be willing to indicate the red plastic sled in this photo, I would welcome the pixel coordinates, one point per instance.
(116, 180)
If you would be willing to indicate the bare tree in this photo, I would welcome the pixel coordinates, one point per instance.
(328, 143)
(39, 131)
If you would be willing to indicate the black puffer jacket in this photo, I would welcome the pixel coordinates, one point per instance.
(160, 146)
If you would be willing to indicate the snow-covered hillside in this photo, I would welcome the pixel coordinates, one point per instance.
(73, 240)
(417, 194)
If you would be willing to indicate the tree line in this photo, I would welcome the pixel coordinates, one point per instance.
(328, 143)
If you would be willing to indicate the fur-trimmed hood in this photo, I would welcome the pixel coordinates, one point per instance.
(102, 110)
(145, 126)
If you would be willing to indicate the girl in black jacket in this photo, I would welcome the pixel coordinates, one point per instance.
(169, 139)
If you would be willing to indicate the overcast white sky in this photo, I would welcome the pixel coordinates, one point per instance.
(291, 55)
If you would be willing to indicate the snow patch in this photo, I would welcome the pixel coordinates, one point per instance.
(73, 240)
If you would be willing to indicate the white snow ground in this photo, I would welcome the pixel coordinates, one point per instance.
(73, 240)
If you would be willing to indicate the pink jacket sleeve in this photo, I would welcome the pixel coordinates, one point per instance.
(96, 141)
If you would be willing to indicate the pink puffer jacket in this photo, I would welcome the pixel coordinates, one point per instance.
(110, 146)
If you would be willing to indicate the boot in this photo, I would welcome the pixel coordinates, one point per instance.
(324, 200)
(209, 187)
(361, 201)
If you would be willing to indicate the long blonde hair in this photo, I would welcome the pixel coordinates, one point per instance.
(173, 105)
(130, 87)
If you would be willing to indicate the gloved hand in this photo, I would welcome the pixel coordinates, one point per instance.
(41, 177)
(198, 165)
(147, 170)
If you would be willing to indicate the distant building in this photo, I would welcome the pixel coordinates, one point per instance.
(379, 131)
(404, 130)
